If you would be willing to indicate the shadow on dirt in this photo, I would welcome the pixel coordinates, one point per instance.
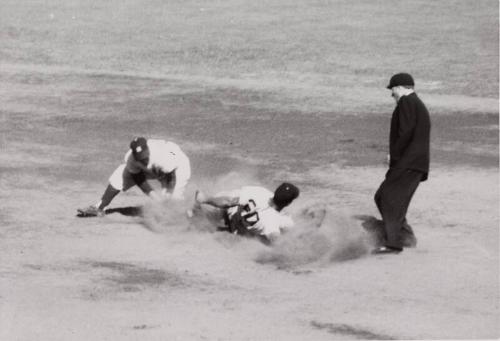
(351, 331)
(129, 275)
(130, 211)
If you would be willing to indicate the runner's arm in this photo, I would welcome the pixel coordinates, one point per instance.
(222, 202)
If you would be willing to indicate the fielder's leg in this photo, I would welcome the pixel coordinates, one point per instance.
(107, 197)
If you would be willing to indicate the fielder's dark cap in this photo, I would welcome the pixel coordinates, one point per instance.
(285, 194)
(140, 150)
(404, 79)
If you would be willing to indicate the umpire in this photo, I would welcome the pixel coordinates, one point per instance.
(408, 163)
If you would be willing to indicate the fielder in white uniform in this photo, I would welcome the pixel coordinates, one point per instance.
(252, 210)
(147, 159)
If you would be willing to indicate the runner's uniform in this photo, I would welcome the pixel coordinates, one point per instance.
(254, 215)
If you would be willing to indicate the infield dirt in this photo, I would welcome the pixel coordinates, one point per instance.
(254, 93)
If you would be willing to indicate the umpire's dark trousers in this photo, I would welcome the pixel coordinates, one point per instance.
(393, 198)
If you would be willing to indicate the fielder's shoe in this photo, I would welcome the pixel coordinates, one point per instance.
(382, 250)
(91, 211)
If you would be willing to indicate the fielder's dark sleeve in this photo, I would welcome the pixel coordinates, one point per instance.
(140, 181)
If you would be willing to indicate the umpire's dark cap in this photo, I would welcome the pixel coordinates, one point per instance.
(404, 79)
(140, 150)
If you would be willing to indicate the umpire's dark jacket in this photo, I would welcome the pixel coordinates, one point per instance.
(410, 135)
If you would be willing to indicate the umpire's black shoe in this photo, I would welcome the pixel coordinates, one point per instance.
(382, 250)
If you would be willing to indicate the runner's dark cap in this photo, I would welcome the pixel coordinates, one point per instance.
(285, 194)
(404, 79)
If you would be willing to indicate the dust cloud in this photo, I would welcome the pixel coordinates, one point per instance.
(171, 216)
(335, 238)
(322, 235)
